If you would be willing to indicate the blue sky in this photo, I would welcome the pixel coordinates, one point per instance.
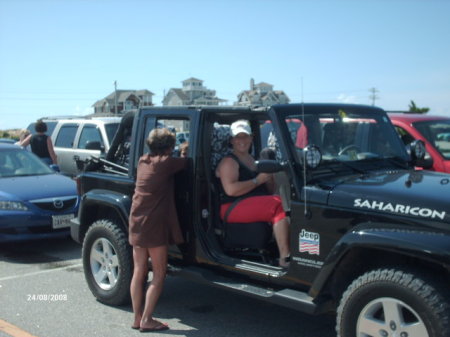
(59, 57)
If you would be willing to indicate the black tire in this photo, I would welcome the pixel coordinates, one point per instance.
(108, 262)
(421, 308)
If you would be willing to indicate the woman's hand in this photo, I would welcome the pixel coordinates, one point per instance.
(268, 179)
(263, 178)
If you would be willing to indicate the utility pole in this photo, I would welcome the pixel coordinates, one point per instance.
(115, 97)
(373, 96)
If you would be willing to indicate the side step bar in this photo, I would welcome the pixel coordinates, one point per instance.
(290, 298)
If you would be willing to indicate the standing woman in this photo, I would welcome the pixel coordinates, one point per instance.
(153, 225)
(41, 144)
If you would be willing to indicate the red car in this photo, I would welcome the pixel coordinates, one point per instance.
(433, 130)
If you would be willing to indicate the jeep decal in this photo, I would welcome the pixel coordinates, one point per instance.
(399, 208)
(309, 242)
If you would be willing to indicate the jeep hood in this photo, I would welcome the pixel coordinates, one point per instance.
(419, 194)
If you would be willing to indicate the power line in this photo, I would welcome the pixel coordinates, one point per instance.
(373, 96)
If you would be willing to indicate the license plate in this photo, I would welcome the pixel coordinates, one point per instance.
(62, 221)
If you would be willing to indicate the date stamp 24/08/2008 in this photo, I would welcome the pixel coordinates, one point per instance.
(46, 297)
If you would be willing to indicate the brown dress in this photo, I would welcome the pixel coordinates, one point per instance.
(153, 218)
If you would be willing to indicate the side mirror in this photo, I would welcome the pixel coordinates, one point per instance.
(268, 166)
(95, 145)
(417, 152)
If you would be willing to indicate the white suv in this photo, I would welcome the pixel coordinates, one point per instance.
(82, 138)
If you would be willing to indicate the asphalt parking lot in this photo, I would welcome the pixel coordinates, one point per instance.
(43, 294)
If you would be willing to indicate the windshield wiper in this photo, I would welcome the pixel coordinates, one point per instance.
(29, 174)
(398, 161)
(347, 164)
(22, 175)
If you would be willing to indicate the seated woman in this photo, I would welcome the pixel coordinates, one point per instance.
(237, 173)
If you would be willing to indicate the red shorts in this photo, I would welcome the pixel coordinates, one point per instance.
(264, 208)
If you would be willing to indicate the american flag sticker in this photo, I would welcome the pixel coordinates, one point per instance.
(309, 242)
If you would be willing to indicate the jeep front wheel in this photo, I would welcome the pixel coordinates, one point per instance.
(389, 302)
(108, 262)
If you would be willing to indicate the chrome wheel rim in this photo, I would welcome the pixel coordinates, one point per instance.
(104, 264)
(390, 317)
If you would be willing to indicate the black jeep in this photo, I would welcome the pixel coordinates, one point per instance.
(369, 233)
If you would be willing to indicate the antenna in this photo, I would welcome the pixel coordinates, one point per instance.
(304, 152)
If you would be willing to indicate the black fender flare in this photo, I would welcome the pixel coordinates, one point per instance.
(120, 203)
(426, 245)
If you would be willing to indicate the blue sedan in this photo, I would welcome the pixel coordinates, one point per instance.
(35, 201)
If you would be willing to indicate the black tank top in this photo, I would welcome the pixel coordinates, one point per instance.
(244, 174)
(39, 146)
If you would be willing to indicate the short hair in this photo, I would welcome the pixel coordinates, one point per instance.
(160, 140)
(40, 126)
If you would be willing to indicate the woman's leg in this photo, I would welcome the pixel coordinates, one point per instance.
(140, 259)
(281, 232)
(158, 256)
(265, 209)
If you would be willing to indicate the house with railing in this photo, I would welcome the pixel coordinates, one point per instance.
(192, 93)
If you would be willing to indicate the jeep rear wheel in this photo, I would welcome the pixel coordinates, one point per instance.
(108, 262)
(389, 302)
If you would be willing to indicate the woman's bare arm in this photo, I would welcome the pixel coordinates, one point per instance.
(51, 151)
(26, 141)
(228, 172)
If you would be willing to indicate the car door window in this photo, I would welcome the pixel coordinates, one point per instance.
(66, 136)
(111, 130)
(404, 135)
(179, 126)
(89, 133)
(175, 125)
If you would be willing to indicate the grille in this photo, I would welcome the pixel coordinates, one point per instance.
(56, 204)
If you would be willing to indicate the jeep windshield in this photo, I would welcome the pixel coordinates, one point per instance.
(354, 137)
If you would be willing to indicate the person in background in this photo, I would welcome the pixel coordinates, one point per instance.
(41, 144)
(184, 149)
(153, 225)
(24, 133)
(237, 173)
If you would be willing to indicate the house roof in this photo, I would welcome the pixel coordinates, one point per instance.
(143, 92)
(263, 84)
(122, 96)
(264, 96)
(180, 93)
(193, 79)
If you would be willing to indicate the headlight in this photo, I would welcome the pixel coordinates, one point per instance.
(418, 149)
(13, 206)
(312, 156)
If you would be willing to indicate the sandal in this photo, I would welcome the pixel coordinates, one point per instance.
(284, 262)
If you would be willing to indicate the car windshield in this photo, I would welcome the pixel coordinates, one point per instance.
(14, 163)
(437, 133)
(349, 135)
(50, 127)
(111, 130)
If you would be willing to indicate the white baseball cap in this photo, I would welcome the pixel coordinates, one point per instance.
(241, 126)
